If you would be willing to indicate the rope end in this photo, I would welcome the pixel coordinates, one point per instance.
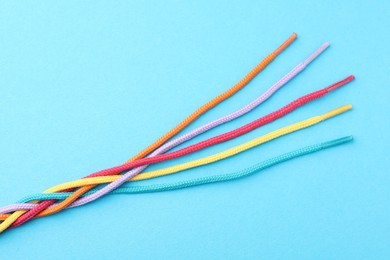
(341, 83)
(287, 43)
(335, 142)
(336, 111)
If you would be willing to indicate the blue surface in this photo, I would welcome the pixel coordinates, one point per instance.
(87, 84)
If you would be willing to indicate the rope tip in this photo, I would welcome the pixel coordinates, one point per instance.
(326, 44)
(294, 35)
(341, 83)
(337, 111)
(342, 140)
(284, 45)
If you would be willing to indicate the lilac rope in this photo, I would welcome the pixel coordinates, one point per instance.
(130, 174)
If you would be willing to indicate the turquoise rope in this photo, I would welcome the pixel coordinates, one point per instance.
(203, 180)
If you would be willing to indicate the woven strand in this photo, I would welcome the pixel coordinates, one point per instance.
(230, 92)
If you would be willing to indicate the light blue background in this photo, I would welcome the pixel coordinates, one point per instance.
(85, 85)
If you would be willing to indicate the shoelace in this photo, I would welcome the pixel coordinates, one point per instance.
(116, 176)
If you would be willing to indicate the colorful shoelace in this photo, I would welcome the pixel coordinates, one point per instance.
(80, 192)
